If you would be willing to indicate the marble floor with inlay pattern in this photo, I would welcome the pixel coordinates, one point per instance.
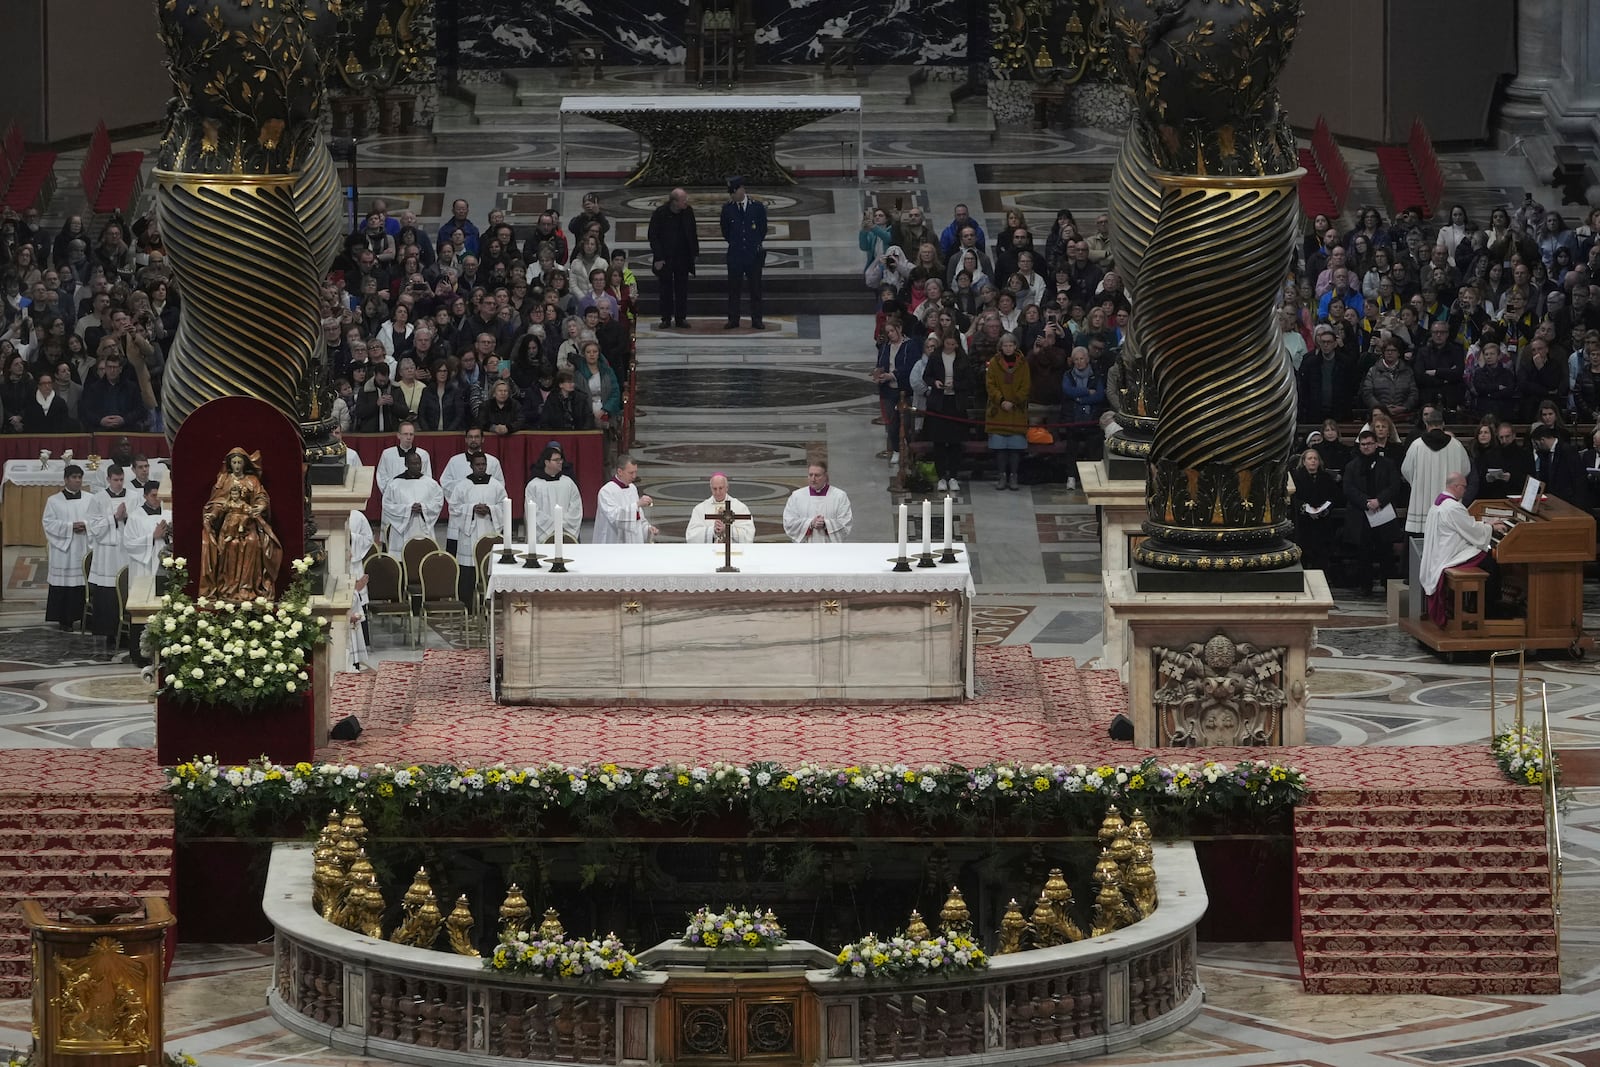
(755, 407)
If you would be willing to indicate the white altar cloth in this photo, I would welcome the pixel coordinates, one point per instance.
(28, 472)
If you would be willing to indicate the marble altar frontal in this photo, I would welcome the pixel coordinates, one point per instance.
(796, 623)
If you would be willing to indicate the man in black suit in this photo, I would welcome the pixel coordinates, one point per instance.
(1556, 464)
(674, 244)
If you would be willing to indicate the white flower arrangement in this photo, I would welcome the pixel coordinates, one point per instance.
(733, 928)
(901, 957)
(245, 655)
(1520, 753)
(579, 959)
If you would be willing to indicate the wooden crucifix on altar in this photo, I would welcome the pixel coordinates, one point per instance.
(727, 517)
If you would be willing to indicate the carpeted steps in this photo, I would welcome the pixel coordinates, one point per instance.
(1425, 891)
(77, 826)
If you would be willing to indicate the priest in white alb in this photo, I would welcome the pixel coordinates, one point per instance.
(144, 539)
(360, 531)
(411, 506)
(550, 488)
(1453, 538)
(456, 471)
(106, 519)
(480, 500)
(619, 511)
(818, 513)
(707, 528)
(392, 460)
(66, 532)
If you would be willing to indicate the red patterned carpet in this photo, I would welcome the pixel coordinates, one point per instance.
(1026, 709)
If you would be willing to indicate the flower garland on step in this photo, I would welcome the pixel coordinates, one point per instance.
(733, 928)
(902, 958)
(579, 959)
(242, 655)
(1521, 755)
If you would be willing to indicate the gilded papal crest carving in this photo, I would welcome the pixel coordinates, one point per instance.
(1220, 693)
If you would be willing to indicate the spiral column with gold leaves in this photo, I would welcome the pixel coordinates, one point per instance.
(1135, 209)
(1210, 138)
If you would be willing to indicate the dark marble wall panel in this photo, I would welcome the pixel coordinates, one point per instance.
(494, 34)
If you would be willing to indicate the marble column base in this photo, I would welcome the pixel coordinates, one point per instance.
(1178, 619)
(1121, 504)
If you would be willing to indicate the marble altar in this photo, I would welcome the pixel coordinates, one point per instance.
(796, 623)
(703, 138)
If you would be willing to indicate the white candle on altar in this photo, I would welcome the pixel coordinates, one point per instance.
(560, 532)
(505, 524)
(532, 519)
(927, 526)
(947, 526)
(903, 515)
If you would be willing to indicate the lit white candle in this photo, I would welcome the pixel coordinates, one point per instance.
(903, 515)
(947, 527)
(560, 531)
(505, 524)
(532, 518)
(927, 526)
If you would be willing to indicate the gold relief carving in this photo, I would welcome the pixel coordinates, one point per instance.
(941, 607)
(101, 1004)
(830, 607)
(631, 607)
(1219, 693)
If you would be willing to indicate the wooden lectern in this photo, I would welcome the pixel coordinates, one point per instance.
(97, 984)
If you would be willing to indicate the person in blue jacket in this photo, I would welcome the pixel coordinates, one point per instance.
(744, 227)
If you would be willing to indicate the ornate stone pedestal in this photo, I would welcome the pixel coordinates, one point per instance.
(1122, 513)
(1186, 687)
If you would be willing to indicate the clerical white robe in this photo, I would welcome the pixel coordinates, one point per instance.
(618, 518)
(391, 465)
(466, 496)
(400, 522)
(105, 537)
(360, 531)
(1450, 537)
(139, 541)
(803, 507)
(455, 472)
(158, 473)
(702, 528)
(541, 498)
(67, 549)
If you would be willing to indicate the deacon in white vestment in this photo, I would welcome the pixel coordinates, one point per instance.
(818, 513)
(144, 539)
(619, 511)
(66, 532)
(392, 462)
(548, 489)
(455, 472)
(411, 506)
(480, 501)
(705, 528)
(106, 521)
(360, 531)
(1450, 538)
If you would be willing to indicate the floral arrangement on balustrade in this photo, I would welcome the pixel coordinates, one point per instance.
(579, 959)
(1520, 751)
(215, 797)
(733, 928)
(901, 957)
(243, 655)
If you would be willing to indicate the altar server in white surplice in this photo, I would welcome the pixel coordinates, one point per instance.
(550, 488)
(392, 461)
(619, 512)
(66, 531)
(705, 528)
(144, 539)
(480, 501)
(455, 472)
(106, 521)
(360, 531)
(411, 506)
(818, 513)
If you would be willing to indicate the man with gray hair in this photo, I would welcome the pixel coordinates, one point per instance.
(1427, 464)
(1453, 538)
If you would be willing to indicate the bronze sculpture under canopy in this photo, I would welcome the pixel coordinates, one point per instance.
(239, 552)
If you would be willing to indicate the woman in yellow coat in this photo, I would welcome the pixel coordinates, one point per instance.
(1006, 416)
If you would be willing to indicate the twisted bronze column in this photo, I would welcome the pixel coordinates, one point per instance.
(1135, 208)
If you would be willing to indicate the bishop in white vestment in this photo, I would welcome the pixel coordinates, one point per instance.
(818, 513)
(705, 528)
(411, 506)
(548, 489)
(619, 511)
(66, 532)
(106, 521)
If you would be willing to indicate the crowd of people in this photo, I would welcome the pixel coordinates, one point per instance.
(1009, 341)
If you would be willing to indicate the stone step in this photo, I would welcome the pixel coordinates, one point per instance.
(1420, 857)
(1331, 944)
(1425, 879)
(1437, 920)
(22, 864)
(1443, 984)
(1437, 837)
(1390, 818)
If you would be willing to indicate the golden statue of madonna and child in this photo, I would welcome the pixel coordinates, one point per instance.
(240, 553)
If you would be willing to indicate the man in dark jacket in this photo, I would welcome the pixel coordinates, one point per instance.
(112, 401)
(1372, 488)
(1556, 464)
(1500, 469)
(674, 244)
(1440, 366)
(1494, 385)
(380, 407)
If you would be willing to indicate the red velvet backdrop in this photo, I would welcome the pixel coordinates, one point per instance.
(204, 439)
(516, 452)
(27, 446)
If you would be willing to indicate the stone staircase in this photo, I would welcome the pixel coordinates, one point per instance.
(77, 827)
(1438, 891)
